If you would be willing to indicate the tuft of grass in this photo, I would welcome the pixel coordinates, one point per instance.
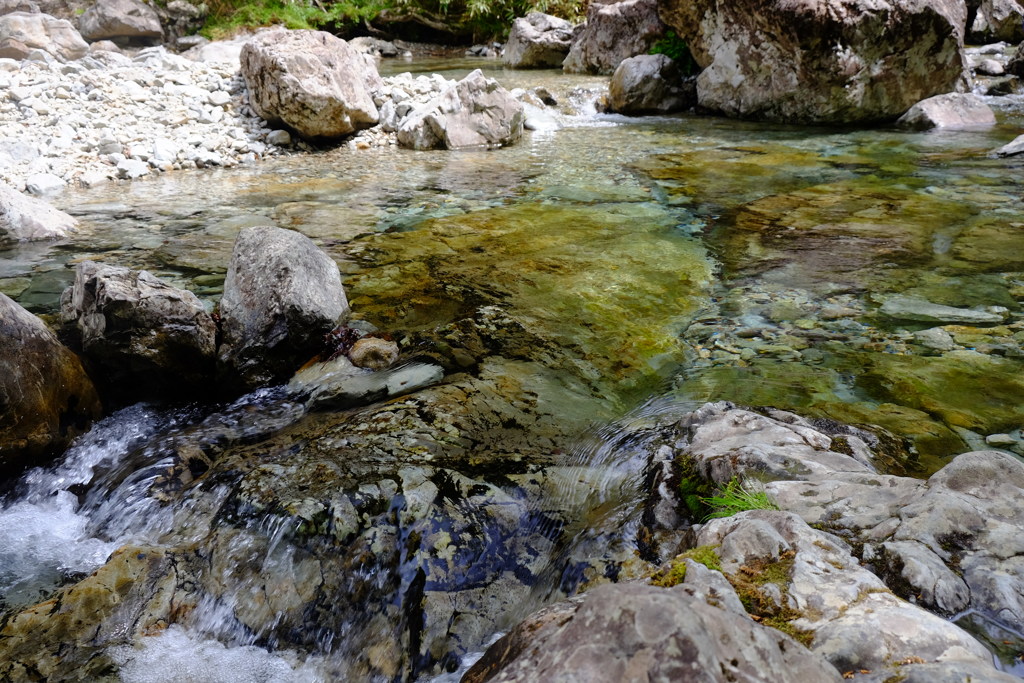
(674, 575)
(735, 497)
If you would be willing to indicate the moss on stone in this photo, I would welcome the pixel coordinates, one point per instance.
(675, 573)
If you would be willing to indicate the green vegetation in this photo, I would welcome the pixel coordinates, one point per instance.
(693, 489)
(674, 47)
(735, 498)
(761, 606)
(676, 572)
(458, 20)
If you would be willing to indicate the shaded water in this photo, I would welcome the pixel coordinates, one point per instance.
(608, 265)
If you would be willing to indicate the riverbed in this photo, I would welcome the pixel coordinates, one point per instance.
(600, 274)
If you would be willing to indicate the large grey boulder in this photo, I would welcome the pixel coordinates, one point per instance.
(635, 632)
(537, 40)
(23, 32)
(650, 84)
(281, 295)
(143, 337)
(474, 112)
(821, 61)
(612, 33)
(311, 81)
(996, 20)
(24, 218)
(953, 110)
(46, 399)
(120, 20)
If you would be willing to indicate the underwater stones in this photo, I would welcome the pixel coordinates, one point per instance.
(281, 295)
(24, 218)
(631, 631)
(339, 384)
(144, 338)
(820, 62)
(474, 112)
(537, 40)
(952, 111)
(919, 310)
(373, 353)
(46, 399)
(613, 32)
(311, 81)
(649, 84)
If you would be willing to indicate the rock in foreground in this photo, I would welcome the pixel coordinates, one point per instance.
(281, 295)
(311, 81)
(45, 396)
(821, 62)
(145, 338)
(24, 218)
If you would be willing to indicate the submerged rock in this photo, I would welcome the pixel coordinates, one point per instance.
(144, 338)
(474, 112)
(281, 296)
(46, 399)
(867, 61)
(310, 81)
(537, 41)
(613, 32)
(650, 84)
(954, 110)
(911, 308)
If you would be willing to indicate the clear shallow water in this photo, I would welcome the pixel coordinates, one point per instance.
(660, 262)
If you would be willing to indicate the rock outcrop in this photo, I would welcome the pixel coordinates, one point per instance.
(953, 110)
(144, 338)
(24, 218)
(995, 20)
(45, 396)
(474, 112)
(821, 62)
(310, 81)
(281, 295)
(650, 84)
(121, 20)
(612, 33)
(537, 40)
(22, 32)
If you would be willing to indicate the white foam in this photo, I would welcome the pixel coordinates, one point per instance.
(176, 655)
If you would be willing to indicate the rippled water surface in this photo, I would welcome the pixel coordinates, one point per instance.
(652, 262)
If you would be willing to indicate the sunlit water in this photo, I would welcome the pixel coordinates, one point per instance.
(654, 250)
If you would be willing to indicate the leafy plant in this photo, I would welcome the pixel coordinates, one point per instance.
(674, 47)
(735, 498)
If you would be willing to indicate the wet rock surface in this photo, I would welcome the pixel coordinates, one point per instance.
(46, 399)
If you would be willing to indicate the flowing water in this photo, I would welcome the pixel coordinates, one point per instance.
(599, 277)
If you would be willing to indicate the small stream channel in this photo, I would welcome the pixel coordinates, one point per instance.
(600, 275)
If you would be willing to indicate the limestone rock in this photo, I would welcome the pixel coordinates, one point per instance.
(310, 81)
(121, 19)
(650, 84)
(953, 110)
(612, 33)
(910, 308)
(45, 396)
(996, 20)
(23, 32)
(537, 41)
(636, 632)
(24, 218)
(474, 112)
(145, 338)
(814, 61)
(1010, 149)
(281, 295)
